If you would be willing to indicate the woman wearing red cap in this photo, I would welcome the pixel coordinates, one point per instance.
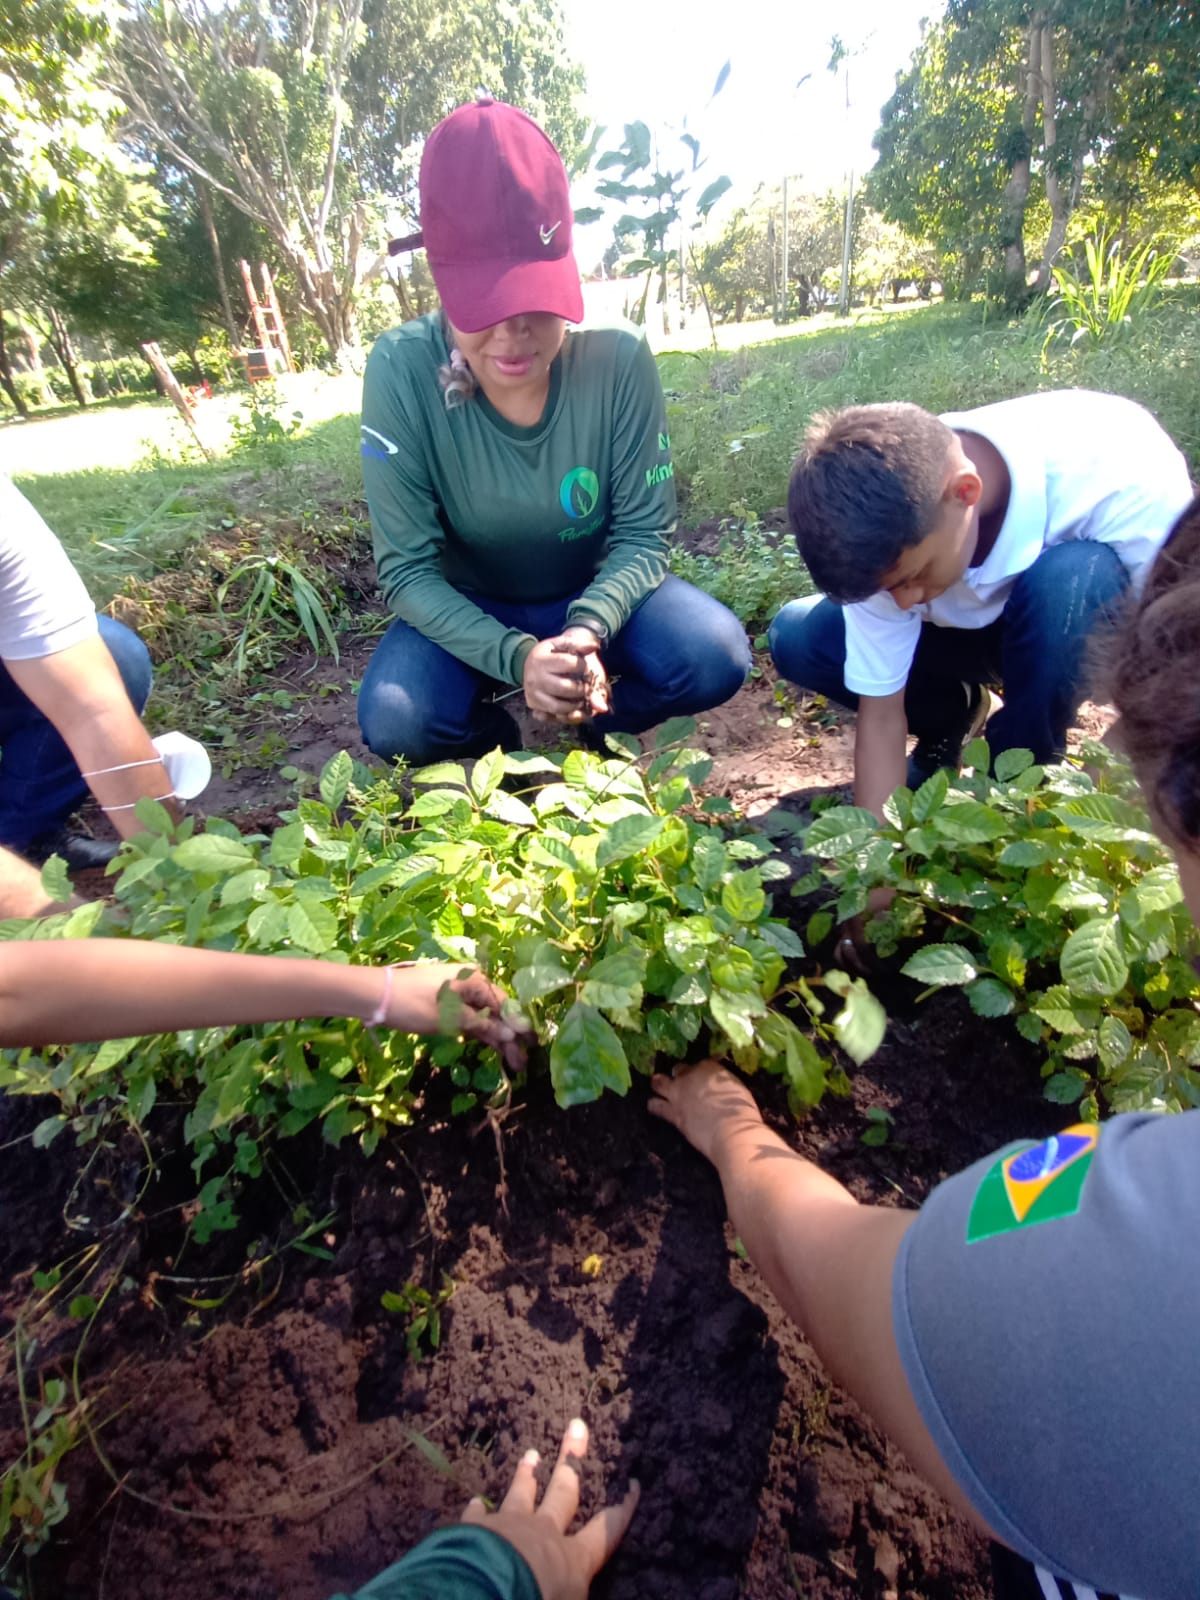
(520, 480)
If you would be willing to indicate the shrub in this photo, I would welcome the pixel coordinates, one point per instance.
(1049, 900)
(630, 927)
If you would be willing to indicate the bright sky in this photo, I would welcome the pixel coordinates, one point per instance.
(657, 61)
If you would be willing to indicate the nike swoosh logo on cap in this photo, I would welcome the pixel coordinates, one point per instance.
(546, 234)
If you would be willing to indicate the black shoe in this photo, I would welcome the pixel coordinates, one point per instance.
(939, 750)
(81, 852)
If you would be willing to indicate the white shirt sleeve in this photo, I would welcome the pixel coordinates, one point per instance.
(44, 607)
(881, 641)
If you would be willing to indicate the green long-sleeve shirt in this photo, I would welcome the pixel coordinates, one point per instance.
(463, 499)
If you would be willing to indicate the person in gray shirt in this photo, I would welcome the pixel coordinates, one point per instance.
(1029, 1337)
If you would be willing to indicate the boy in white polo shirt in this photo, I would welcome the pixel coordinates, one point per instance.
(979, 547)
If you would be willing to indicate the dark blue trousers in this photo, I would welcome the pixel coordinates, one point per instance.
(1036, 651)
(681, 652)
(40, 783)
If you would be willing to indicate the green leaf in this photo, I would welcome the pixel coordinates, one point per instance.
(287, 845)
(335, 779)
(1060, 1011)
(586, 1058)
(840, 831)
(542, 976)
(244, 886)
(47, 1130)
(441, 772)
(510, 809)
(1064, 1088)
(940, 965)
(312, 926)
(629, 836)
(674, 731)
(734, 1012)
(56, 880)
(614, 984)
(743, 896)
(708, 860)
(267, 924)
(209, 852)
(1093, 959)
(990, 998)
(860, 1025)
(488, 771)
(1114, 1042)
(977, 755)
(783, 938)
(1158, 889)
(435, 803)
(686, 941)
(1011, 763)
(930, 795)
(970, 822)
(1026, 853)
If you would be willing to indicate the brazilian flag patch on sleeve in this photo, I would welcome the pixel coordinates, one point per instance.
(1036, 1184)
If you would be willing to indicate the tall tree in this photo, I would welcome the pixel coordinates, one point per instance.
(55, 125)
(1005, 101)
(306, 115)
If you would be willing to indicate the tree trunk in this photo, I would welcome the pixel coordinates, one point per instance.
(210, 227)
(36, 369)
(401, 288)
(7, 378)
(1056, 193)
(1016, 190)
(60, 338)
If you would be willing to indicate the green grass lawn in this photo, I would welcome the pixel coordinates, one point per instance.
(735, 419)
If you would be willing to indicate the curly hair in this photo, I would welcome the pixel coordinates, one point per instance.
(1153, 670)
(866, 486)
(459, 384)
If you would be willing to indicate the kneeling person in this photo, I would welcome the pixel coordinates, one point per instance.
(72, 688)
(978, 547)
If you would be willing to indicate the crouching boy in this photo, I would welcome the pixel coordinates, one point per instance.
(980, 547)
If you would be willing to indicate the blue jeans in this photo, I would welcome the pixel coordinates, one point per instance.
(681, 652)
(40, 783)
(1036, 650)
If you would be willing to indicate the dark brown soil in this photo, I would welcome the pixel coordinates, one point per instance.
(265, 1432)
(290, 1431)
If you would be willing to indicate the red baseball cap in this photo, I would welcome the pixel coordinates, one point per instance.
(496, 218)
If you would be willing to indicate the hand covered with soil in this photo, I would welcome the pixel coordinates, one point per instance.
(706, 1103)
(564, 678)
(563, 1564)
(436, 997)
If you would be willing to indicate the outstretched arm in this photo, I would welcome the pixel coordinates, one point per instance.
(54, 992)
(827, 1259)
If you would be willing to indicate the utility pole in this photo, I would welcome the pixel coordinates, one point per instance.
(785, 251)
(844, 290)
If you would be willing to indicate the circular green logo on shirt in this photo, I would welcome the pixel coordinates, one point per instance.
(578, 492)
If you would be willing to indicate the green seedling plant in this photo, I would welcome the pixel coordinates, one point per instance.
(423, 1308)
(633, 929)
(276, 601)
(1112, 289)
(754, 573)
(1046, 897)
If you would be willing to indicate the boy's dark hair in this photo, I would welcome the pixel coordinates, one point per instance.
(1154, 663)
(866, 485)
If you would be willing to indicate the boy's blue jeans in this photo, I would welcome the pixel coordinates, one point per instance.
(1036, 651)
(681, 652)
(40, 783)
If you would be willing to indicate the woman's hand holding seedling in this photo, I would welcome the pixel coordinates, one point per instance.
(445, 997)
(564, 678)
